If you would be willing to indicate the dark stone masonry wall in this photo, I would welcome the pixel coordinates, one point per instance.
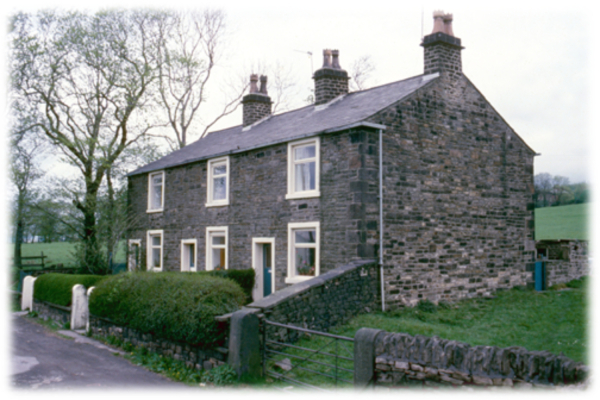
(192, 356)
(326, 301)
(329, 84)
(46, 311)
(403, 359)
(347, 208)
(575, 266)
(458, 184)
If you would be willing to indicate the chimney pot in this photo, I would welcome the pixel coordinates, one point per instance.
(326, 58)
(438, 22)
(253, 83)
(263, 84)
(448, 24)
(335, 62)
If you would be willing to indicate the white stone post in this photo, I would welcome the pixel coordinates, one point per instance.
(27, 294)
(79, 308)
(87, 324)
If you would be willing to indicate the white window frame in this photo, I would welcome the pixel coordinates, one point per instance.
(291, 193)
(131, 242)
(293, 226)
(210, 230)
(184, 243)
(210, 202)
(149, 234)
(162, 195)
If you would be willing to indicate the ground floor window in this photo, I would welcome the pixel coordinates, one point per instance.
(303, 251)
(216, 248)
(154, 250)
(188, 254)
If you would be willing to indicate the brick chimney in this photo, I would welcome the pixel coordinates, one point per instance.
(442, 49)
(257, 103)
(331, 80)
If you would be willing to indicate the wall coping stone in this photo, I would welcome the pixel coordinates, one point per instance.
(283, 295)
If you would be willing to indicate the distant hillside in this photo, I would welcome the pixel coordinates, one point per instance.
(564, 222)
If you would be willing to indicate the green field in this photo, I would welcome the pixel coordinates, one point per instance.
(60, 252)
(564, 222)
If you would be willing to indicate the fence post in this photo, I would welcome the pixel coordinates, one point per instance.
(79, 307)
(27, 295)
(364, 356)
(244, 344)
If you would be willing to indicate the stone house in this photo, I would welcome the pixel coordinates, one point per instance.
(422, 174)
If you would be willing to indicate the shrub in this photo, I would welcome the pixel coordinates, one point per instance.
(171, 305)
(243, 277)
(57, 288)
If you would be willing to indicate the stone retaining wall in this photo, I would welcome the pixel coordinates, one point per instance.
(401, 359)
(46, 311)
(327, 300)
(191, 355)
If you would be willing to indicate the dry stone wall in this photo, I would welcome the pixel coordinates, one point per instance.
(402, 359)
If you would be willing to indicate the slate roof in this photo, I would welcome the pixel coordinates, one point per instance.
(340, 113)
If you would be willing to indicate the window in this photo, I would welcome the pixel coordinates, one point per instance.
(156, 191)
(133, 261)
(216, 248)
(188, 254)
(154, 250)
(217, 190)
(303, 251)
(303, 169)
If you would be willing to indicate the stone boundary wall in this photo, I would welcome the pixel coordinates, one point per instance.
(402, 359)
(192, 356)
(46, 311)
(558, 272)
(327, 300)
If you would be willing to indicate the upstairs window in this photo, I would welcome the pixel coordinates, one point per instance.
(154, 250)
(156, 191)
(216, 248)
(303, 251)
(218, 182)
(303, 169)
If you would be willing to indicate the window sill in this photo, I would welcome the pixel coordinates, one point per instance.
(302, 195)
(297, 279)
(158, 210)
(216, 204)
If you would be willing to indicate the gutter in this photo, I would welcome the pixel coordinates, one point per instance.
(381, 218)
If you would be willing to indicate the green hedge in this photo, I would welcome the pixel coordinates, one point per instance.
(243, 277)
(171, 305)
(58, 288)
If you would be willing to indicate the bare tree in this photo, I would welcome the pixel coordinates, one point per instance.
(189, 47)
(88, 78)
(360, 72)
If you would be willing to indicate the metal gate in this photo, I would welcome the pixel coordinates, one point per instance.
(306, 358)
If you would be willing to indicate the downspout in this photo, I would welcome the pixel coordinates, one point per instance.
(381, 218)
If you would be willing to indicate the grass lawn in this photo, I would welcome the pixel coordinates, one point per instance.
(554, 320)
(564, 222)
(60, 252)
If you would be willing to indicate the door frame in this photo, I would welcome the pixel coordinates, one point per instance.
(257, 261)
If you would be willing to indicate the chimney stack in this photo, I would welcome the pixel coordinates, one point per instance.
(442, 49)
(331, 80)
(257, 103)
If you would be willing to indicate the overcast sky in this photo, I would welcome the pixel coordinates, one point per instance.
(532, 63)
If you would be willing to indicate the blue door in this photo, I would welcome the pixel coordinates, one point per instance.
(267, 269)
(540, 276)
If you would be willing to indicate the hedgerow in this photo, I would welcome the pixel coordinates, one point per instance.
(57, 288)
(171, 305)
(243, 277)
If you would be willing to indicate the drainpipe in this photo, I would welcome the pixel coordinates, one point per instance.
(381, 218)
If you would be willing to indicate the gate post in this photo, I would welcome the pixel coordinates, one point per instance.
(79, 307)
(27, 294)
(244, 344)
(364, 356)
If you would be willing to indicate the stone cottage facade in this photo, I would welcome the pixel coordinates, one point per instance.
(297, 194)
